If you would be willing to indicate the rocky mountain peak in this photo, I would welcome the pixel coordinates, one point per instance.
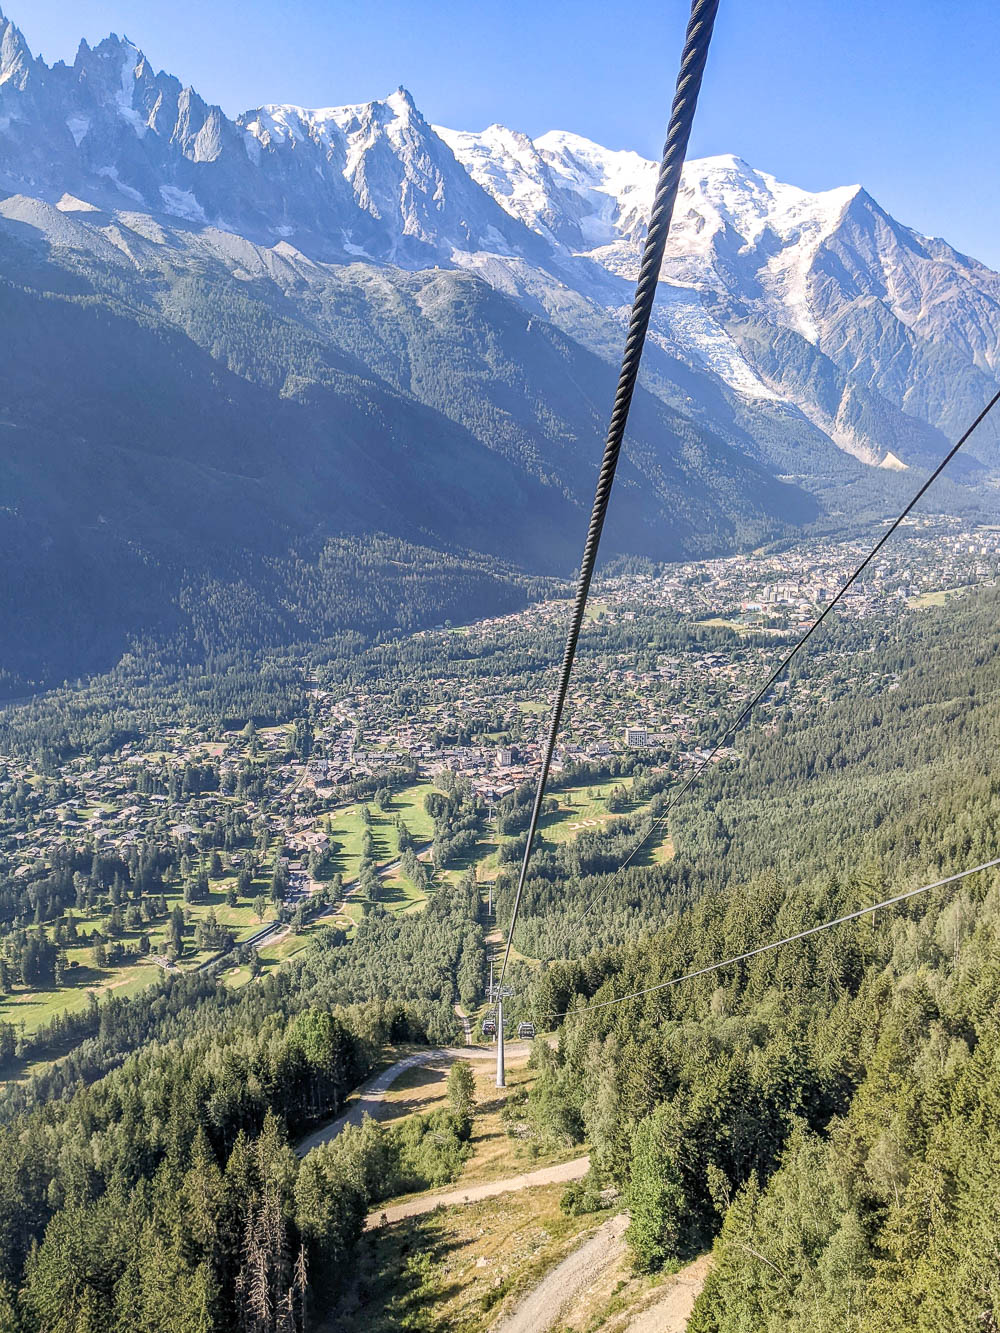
(817, 300)
(16, 61)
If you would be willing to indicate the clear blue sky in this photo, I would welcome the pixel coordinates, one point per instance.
(901, 97)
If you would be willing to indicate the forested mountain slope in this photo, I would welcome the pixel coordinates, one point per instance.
(827, 1108)
(166, 1196)
(221, 415)
(831, 1104)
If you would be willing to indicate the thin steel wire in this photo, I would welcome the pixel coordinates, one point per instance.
(779, 670)
(777, 944)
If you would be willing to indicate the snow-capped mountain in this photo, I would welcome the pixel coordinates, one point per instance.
(819, 307)
(875, 310)
(409, 201)
(371, 181)
(297, 324)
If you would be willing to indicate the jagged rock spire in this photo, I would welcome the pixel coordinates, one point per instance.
(16, 60)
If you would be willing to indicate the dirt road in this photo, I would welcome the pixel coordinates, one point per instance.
(670, 1314)
(576, 1288)
(464, 1019)
(541, 1308)
(372, 1092)
(546, 1175)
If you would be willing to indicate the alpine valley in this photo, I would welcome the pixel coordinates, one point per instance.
(340, 990)
(316, 372)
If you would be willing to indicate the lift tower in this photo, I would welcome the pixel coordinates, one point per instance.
(497, 994)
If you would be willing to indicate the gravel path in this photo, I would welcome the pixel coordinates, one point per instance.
(672, 1311)
(426, 1203)
(371, 1094)
(541, 1308)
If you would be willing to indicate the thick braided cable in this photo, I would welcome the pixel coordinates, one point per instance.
(696, 44)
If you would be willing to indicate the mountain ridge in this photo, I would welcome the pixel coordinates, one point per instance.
(375, 182)
(414, 332)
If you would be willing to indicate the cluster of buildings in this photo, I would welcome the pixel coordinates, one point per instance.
(779, 589)
(491, 730)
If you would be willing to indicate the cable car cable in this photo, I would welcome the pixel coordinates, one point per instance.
(777, 944)
(779, 670)
(696, 43)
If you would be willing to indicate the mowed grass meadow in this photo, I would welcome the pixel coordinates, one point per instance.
(581, 809)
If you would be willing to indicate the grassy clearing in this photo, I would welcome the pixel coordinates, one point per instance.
(582, 810)
(409, 804)
(348, 827)
(923, 601)
(459, 1268)
(235, 977)
(494, 1154)
(276, 952)
(29, 1010)
(720, 622)
(660, 848)
(738, 627)
(399, 895)
(416, 1090)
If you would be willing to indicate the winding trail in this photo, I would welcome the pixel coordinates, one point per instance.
(588, 1273)
(371, 1093)
(426, 1203)
(542, 1306)
(581, 1271)
(670, 1314)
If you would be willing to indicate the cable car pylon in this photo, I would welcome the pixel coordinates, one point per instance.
(497, 994)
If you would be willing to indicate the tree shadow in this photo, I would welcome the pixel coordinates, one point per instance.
(399, 1278)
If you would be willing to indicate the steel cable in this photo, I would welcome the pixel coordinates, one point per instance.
(695, 53)
(777, 944)
(779, 670)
